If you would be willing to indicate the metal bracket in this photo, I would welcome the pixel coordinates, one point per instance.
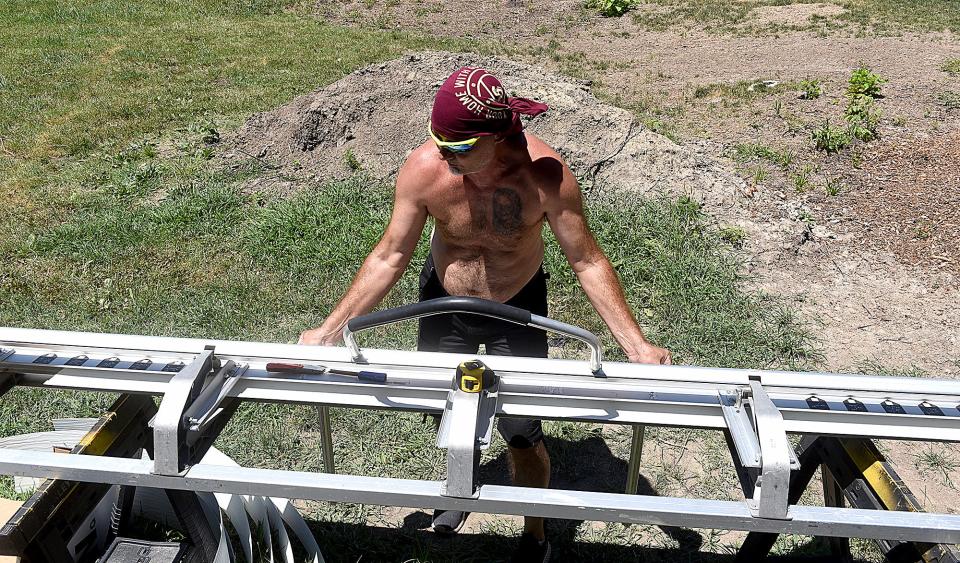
(206, 407)
(760, 440)
(171, 420)
(465, 429)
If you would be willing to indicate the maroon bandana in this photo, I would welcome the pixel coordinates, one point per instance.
(472, 103)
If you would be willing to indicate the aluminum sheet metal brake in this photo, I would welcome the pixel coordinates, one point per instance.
(201, 382)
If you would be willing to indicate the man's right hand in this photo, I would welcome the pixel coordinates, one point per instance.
(321, 336)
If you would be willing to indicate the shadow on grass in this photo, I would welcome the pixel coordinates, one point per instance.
(584, 465)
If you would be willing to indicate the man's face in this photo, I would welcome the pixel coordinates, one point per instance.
(474, 160)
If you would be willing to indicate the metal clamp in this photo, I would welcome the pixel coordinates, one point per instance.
(207, 406)
(170, 423)
(476, 306)
(465, 429)
(759, 437)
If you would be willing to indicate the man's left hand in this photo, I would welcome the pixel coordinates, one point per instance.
(651, 354)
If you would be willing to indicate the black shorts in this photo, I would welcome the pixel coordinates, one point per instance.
(465, 332)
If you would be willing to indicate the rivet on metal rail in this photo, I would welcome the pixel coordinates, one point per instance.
(817, 403)
(892, 407)
(77, 360)
(930, 409)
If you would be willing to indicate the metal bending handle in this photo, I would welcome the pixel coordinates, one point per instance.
(473, 305)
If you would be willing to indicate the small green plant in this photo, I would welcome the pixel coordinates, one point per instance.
(733, 235)
(760, 174)
(351, 160)
(207, 132)
(861, 113)
(802, 178)
(829, 138)
(810, 89)
(950, 100)
(862, 118)
(863, 82)
(951, 67)
(833, 186)
(610, 8)
(781, 158)
(937, 462)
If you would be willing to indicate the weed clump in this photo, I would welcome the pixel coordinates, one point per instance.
(950, 100)
(610, 8)
(829, 138)
(951, 67)
(863, 82)
(810, 89)
(861, 114)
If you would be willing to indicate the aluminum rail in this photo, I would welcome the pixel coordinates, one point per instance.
(548, 503)
(827, 404)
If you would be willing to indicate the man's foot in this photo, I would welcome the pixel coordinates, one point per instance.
(531, 550)
(448, 522)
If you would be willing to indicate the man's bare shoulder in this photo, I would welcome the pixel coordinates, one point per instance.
(548, 166)
(422, 169)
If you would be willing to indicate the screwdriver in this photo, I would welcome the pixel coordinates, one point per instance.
(317, 369)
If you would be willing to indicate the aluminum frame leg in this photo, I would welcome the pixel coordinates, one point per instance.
(326, 440)
(636, 452)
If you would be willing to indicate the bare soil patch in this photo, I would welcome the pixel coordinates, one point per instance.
(793, 14)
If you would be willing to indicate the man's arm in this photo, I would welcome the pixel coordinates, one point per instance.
(564, 209)
(383, 266)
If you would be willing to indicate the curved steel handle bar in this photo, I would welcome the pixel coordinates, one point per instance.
(475, 306)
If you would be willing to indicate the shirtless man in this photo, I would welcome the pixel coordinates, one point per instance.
(489, 188)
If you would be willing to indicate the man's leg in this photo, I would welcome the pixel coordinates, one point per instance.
(529, 462)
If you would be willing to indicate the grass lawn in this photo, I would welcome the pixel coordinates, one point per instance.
(115, 219)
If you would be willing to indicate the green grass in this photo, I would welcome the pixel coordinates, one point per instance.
(747, 151)
(724, 16)
(96, 75)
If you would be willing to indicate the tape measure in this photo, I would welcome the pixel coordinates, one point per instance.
(473, 376)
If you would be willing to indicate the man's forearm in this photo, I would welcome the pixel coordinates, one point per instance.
(603, 289)
(372, 282)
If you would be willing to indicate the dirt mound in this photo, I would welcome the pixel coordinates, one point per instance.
(373, 118)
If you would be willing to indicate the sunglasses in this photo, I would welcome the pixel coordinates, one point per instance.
(452, 146)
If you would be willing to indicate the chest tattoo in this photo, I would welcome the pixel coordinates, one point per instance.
(507, 212)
